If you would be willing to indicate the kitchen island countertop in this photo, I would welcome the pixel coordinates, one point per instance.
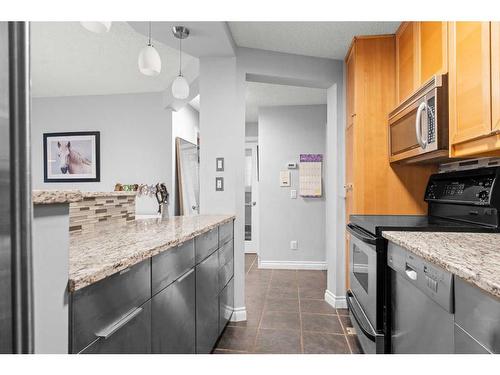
(474, 257)
(112, 248)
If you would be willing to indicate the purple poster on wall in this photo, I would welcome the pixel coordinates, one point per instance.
(311, 158)
(310, 175)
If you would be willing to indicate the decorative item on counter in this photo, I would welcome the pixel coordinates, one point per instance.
(162, 198)
(118, 187)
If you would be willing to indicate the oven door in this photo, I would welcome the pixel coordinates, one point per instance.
(362, 297)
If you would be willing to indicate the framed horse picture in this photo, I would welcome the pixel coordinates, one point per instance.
(71, 157)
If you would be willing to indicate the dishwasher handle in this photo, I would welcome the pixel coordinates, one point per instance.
(411, 272)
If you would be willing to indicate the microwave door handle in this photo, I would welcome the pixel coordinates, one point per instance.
(418, 125)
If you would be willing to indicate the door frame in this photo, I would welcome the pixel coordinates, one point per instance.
(253, 245)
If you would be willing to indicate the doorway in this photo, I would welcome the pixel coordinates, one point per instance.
(251, 197)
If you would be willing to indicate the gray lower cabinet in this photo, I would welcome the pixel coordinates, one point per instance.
(178, 301)
(226, 305)
(207, 304)
(477, 320)
(173, 317)
(131, 334)
(100, 307)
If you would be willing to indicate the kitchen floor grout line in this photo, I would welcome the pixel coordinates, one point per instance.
(345, 333)
(262, 313)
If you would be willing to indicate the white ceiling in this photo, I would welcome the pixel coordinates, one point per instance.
(68, 60)
(265, 94)
(319, 39)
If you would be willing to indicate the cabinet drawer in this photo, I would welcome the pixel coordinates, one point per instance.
(478, 313)
(226, 272)
(226, 253)
(171, 264)
(226, 305)
(207, 304)
(99, 305)
(131, 335)
(225, 233)
(206, 244)
(173, 317)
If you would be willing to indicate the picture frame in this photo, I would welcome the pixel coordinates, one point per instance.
(72, 157)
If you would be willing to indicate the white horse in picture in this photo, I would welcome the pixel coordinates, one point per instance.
(71, 161)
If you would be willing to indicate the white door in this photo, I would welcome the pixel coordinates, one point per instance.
(251, 198)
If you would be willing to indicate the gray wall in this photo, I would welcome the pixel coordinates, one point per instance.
(251, 129)
(136, 139)
(284, 133)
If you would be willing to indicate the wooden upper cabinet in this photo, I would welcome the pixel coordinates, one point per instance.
(495, 76)
(406, 74)
(469, 81)
(432, 49)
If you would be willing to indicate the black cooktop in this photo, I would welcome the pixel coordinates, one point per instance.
(376, 224)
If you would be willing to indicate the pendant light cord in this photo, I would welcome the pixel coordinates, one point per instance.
(180, 56)
(149, 35)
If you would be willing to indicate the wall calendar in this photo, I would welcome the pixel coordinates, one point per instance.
(310, 175)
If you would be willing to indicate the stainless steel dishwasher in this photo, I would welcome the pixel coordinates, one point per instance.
(422, 319)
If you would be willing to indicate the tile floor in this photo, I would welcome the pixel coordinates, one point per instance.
(286, 313)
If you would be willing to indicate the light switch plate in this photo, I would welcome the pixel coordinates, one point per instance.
(293, 194)
(219, 183)
(219, 164)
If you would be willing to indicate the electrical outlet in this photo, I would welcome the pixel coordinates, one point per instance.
(293, 245)
(293, 194)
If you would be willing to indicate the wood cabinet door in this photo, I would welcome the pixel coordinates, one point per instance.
(406, 71)
(433, 49)
(469, 81)
(495, 76)
(350, 65)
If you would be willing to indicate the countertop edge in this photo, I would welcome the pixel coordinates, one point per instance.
(473, 278)
(76, 285)
(45, 197)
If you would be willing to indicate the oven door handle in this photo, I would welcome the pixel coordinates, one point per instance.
(360, 317)
(362, 235)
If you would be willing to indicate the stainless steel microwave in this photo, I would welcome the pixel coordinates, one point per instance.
(418, 128)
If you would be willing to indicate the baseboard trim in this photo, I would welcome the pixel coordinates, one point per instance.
(250, 252)
(335, 301)
(239, 314)
(291, 265)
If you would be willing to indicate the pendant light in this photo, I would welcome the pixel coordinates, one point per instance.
(97, 27)
(180, 86)
(149, 59)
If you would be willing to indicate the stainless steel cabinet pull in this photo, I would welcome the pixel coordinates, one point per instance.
(410, 272)
(418, 125)
(115, 326)
(180, 279)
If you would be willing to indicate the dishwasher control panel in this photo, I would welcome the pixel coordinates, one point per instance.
(434, 281)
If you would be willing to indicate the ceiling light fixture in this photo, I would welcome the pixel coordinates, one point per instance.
(149, 59)
(97, 26)
(180, 86)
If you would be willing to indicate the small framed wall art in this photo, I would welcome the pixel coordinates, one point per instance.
(71, 157)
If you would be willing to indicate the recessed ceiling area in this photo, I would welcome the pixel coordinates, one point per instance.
(68, 60)
(320, 39)
(265, 95)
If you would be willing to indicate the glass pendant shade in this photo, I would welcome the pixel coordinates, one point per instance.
(180, 88)
(149, 61)
(97, 27)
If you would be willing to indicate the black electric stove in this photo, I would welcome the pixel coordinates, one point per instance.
(459, 201)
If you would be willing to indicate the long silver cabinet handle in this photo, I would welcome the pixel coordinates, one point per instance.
(115, 326)
(181, 279)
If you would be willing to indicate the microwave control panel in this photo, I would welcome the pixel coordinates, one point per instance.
(431, 120)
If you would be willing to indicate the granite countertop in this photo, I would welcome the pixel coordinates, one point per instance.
(56, 196)
(96, 255)
(474, 257)
(69, 196)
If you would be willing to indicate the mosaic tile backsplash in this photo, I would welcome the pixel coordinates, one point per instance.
(99, 209)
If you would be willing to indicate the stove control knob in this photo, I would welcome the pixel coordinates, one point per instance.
(484, 196)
